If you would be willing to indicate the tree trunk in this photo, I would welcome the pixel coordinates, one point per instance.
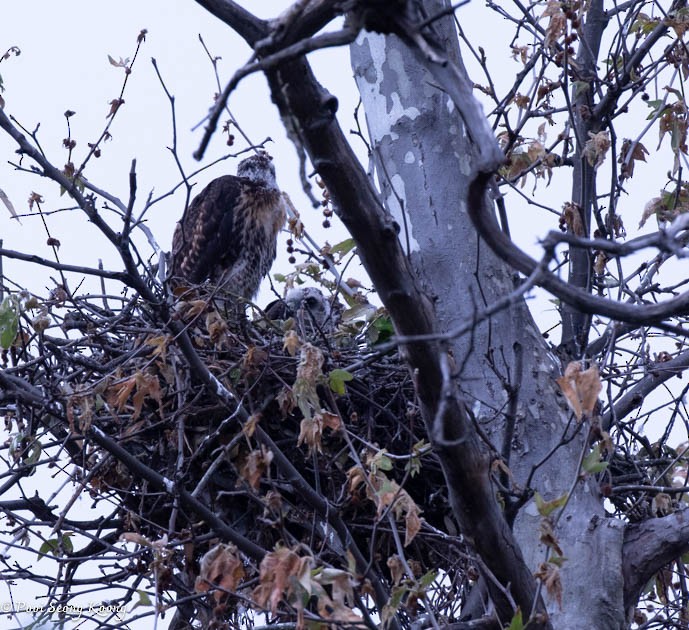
(424, 164)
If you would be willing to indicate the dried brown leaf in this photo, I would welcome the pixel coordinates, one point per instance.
(629, 154)
(311, 429)
(255, 466)
(286, 401)
(249, 426)
(277, 570)
(557, 25)
(34, 198)
(549, 574)
(309, 373)
(114, 106)
(652, 207)
(396, 568)
(291, 342)
(596, 148)
(571, 220)
(356, 476)
(216, 325)
(220, 568)
(599, 263)
(547, 536)
(580, 388)
(661, 505)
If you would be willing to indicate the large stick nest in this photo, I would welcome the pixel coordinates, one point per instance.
(344, 415)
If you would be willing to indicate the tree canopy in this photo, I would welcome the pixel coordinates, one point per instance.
(445, 460)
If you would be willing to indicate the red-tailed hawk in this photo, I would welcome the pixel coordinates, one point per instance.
(229, 231)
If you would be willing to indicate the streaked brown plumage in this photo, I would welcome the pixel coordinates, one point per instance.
(229, 231)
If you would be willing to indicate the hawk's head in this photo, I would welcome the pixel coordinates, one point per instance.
(258, 168)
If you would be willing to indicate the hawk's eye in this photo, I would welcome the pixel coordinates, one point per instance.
(311, 301)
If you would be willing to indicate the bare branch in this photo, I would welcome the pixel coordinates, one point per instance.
(489, 229)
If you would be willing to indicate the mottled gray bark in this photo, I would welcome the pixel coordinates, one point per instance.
(424, 165)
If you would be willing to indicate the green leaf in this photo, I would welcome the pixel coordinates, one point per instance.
(49, 547)
(517, 622)
(144, 600)
(426, 580)
(343, 247)
(592, 463)
(580, 87)
(413, 466)
(337, 379)
(9, 321)
(33, 454)
(546, 508)
(381, 330)
(395, 601)
(655, 105)
(558, 561)
(67, 542)
(15, 445)
(381, 462)
(639, 23)
(55, 546)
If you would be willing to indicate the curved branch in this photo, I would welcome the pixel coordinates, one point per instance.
(648, 547)
(487, 226)
(244, 23)
(664, 239)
